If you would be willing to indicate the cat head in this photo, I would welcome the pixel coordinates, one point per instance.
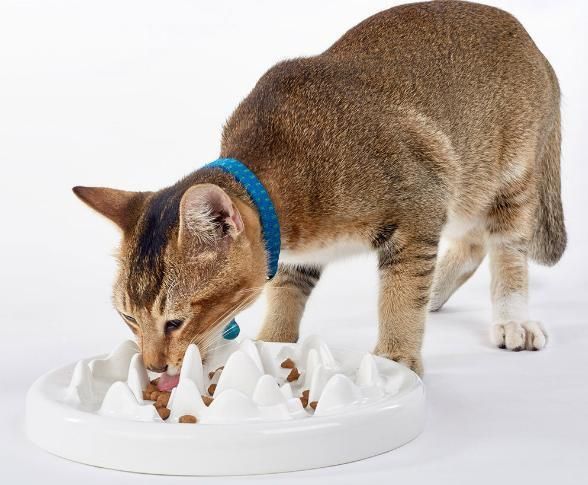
(190, 258)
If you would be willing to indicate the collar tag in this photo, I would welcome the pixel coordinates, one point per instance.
(231, 331)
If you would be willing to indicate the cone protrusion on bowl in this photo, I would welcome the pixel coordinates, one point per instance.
(247, 382)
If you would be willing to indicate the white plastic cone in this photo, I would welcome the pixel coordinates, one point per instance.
(267, 392)
(137, 379)
(312, 362)
(231, 406)
(240, 373)
(367, 373)
(277, 412)
(340, 392)
(186, 399)
(192, 367)
(120, 402)
(115, 367)
(286, 390)
(320, 377)
(270, 366)
(81, 387)
(315, 342)
(249, 348)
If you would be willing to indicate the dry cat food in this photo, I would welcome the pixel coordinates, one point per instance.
(293, 375)
(304, 398)
(149, 390)
(162, 400)
(188, 418)
(213, 372)
(163, 413)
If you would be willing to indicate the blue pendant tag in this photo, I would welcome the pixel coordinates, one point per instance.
(231, 331)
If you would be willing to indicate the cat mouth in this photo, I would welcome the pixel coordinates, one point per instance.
(167, 382)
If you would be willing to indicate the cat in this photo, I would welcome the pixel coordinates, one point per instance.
(427, 120)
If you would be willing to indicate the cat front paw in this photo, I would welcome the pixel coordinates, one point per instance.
(519, 335)
(413, 362)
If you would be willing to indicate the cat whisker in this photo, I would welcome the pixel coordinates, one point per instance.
(212, 335)
(211, 332)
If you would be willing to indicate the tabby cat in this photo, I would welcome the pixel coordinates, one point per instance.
(428, 120)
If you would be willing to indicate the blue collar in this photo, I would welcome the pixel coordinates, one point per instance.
(270, 225)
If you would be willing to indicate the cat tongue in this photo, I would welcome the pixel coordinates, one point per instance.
(167, 382)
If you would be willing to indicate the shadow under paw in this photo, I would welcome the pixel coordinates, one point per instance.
(519, 335)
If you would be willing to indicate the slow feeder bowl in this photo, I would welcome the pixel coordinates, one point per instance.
(93, 412)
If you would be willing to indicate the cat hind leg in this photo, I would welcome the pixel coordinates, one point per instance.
(457, 265)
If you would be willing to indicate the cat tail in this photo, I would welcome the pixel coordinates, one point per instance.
(549, 236)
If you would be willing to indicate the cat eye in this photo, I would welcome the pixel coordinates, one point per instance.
(172, 325)
(129, 318)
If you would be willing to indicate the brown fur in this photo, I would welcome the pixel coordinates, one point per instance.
(421, 119)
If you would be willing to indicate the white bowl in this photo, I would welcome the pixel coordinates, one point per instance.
(370, 405)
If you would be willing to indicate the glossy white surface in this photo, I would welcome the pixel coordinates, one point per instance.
(89, 412)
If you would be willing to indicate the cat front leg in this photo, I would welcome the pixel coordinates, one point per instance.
(287, 294)
(406, 274)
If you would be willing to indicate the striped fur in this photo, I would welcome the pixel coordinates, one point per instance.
(428, 119)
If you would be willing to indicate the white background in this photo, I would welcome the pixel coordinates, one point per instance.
(133, 94)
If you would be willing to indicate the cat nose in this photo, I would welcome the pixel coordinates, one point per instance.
(157, 368)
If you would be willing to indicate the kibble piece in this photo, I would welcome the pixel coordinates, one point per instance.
(162, 399)
(306, 394)
(313, 404)
(213, 372)
(154, 395)
(188, 418)
(211, 389)
(163, 413)
(288, 364)
(304, 401)
(151, 388)
(207, 400)
(293, 375)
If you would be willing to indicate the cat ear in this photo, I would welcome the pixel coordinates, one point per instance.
(120, 206)
(208, 214)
